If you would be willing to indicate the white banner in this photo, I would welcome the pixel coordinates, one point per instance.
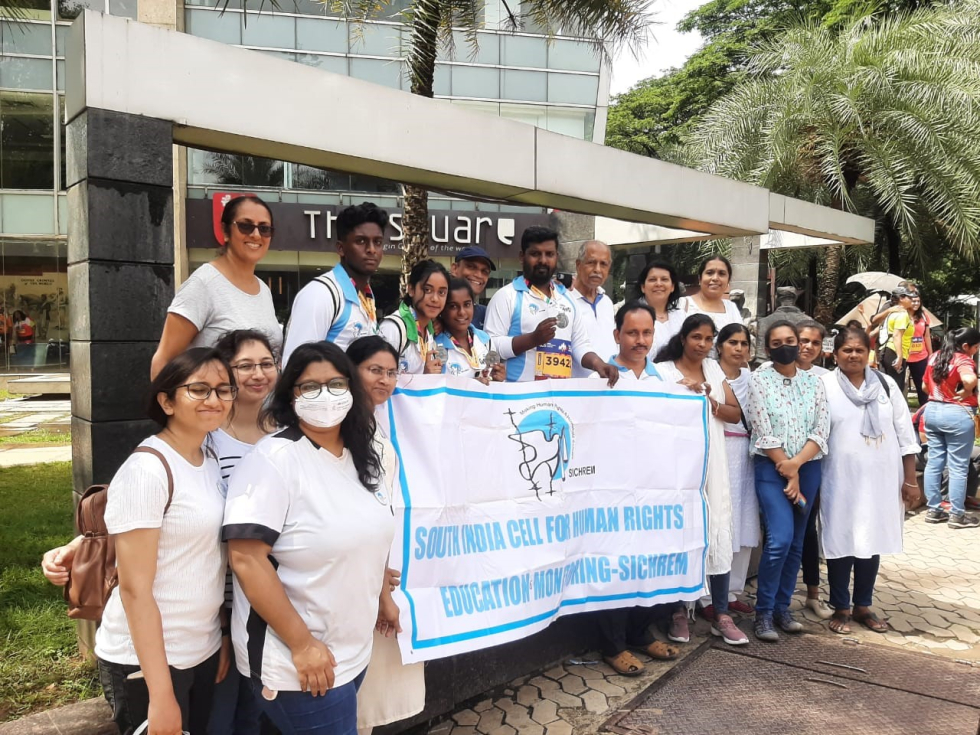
(522, 502)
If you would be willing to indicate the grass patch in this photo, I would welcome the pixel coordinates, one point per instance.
(4, 394)
(37, 438)
(40, 667)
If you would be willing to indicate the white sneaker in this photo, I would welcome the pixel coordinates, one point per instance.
(819, 608)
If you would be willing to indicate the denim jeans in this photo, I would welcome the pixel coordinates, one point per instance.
(949, 429)
(335, 713)
(839, 577)
(234, 710)
(719, 584)
(785, 526)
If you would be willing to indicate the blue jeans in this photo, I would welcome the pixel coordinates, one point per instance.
(234, 710)
(785, 527)
(839, 577)
(296, 713)
(949, 429)
(719, 584)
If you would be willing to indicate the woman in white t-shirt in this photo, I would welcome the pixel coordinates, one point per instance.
(309, 527)
(661, 291)
(714, 277)
(411, 329)
(466, 346)
(161, 641)
(234, 710)
(225, 294)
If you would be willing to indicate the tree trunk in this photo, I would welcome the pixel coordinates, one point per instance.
(893, 245)
(422, 69)
(827, 289)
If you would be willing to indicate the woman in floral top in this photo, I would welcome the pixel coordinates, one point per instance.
(787, 410)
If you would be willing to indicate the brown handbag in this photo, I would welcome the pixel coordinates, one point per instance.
(93, 573)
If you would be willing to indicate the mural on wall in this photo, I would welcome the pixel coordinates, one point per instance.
(41, 298)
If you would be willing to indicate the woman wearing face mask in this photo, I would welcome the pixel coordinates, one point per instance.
(685, 361)
(411, 329)
(921, 348)
(661, 290)
(319, 601)
(466, 347)
(714, 277)
(787, 412)
(733, 346)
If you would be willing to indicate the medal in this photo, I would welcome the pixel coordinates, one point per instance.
(440, 353)
(562, 320)
(492, 359)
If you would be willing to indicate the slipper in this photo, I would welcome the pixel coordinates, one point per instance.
(872, 622)
(625, 663)
(658, 650)
(839, 622)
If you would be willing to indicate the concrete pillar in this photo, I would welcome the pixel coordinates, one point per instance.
(750, 269)
(120, 280)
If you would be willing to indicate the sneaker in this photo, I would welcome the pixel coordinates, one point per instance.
(963, 520)
(741, 607)
(725, 628)
(764, 630)
(819, 608)
(786, 622)
(708, 613)
(936, 515)
(679, 632)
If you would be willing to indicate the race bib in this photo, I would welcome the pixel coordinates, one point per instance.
(553, 360)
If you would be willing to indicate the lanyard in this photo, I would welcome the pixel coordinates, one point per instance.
(468, 352)
(367, 303)
(538, 292)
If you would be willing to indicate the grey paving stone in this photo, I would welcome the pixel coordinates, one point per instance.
(466, 717)
(595, 701)
(585, 672)
(957, 646)
(443, 728)
(556, 672)
(483, 706)
(964, 634)
(544, 711)
(528, 695)
(503, 730)
(573, 684)
(606, 687)
(490, 720)
(559, 728)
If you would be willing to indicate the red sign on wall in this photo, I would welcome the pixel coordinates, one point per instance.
(219, 200)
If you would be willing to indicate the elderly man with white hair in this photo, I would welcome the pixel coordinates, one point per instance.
(592, 268)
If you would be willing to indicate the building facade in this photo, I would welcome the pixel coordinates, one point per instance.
(559, 84)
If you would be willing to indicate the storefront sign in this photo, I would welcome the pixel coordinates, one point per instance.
(314, 228)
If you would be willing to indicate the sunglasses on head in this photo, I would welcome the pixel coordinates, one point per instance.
(247, 228)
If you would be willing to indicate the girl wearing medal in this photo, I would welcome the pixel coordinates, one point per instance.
(410, 329)
(467, 347)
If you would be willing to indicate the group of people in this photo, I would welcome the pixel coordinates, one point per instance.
(281, 470)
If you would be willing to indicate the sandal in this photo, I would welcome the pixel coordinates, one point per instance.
(839, 622)
(871, 621)
(658, 650)
(625, 663)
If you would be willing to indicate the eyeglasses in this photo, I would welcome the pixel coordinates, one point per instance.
(247, 228)
(312, 389)
(266, 366)
(202, 391)
(379, 372)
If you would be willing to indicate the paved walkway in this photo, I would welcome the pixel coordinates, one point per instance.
(19, 415)
(931, 595)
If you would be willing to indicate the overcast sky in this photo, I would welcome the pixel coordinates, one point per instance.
(665, 48)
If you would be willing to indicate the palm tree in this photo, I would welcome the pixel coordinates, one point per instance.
(881, 118)
(608, 22)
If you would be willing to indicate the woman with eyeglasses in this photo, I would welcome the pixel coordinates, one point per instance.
(160, 645)
(225, 294)
(391, 690)
(309, 526)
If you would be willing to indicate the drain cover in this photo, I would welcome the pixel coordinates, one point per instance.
(807, 685)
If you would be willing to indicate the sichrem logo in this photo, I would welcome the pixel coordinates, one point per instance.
(546, 438)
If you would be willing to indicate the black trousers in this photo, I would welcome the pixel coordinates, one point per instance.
(626, 626)
(888, 356)
(918, 372)
(811, 548)
(130, 699)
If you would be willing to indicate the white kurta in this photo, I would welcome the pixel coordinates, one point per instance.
(741, 474)
(718, 489)
(861, 508)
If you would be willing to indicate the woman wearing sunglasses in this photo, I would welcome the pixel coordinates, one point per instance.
(161, 645)
(309, 526)
(225, 294)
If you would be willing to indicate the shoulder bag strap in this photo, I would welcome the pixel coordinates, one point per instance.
(166, 465)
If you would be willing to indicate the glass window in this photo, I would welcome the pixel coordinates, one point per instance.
(26, 38)
(573, 56)
(26, 9)
(123, 8)
(27, 214)
(71, 9)
(336, 64)
(487, 50)
(525, 85)
(205, 167)
(578, 123)
(224, 27)
(371, 185)
(441, 81)
(60, 34)
(271, 31)
(305, 7)
(375, 39)
(490, 108)
(279, 55)
(319, 179)
(536, 115)
(476, 81)
(61, 76)
(524, 51)
(315, 34)
(575, 89)
(19, 73)
(387, 73)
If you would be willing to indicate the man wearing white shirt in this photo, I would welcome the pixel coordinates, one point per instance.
(339, 306)
(591, 270)
(534, 322)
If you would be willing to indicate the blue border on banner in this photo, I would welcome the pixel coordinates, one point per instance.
(406, 498)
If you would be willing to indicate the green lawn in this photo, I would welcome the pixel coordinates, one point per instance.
(37, 438)
(39, 663)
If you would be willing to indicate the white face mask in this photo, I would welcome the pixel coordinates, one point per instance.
(324, 411)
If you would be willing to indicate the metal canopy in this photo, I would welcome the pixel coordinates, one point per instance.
(229, 99)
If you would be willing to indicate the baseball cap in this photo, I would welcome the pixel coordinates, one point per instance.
(900, 291)
(474, 251)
